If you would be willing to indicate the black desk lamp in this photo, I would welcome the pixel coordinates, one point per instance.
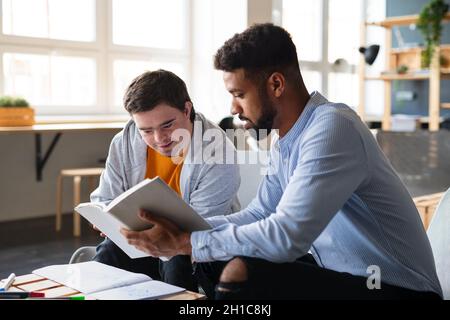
(370, 53)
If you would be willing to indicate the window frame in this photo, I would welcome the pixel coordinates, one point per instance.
(323, 66)
(103, 51)
(49, 109)
(184, 60)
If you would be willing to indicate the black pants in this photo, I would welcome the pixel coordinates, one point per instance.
(302, 279)
(176, 271)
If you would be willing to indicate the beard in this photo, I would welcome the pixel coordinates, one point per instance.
(263, 126)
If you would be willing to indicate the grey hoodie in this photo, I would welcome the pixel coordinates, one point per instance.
(209, 188)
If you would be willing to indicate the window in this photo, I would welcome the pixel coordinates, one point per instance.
(303, 21)
(54, 19)
(140, 23)
(326, 34)
(49, 80)
(312, 79)
(78, 56)
(212, 28)
(126, 70)
(157, 27)
(343, 87)
(343, 30)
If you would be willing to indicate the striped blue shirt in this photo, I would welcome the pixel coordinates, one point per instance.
(332, 192)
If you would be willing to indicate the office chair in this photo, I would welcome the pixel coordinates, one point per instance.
(83, 254)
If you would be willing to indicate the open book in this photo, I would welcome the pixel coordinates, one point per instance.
(104, 282)
(153, 195)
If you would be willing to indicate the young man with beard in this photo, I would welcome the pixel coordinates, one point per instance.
(331, 221)
(149, 146)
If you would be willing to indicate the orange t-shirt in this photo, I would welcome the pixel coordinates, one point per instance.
(165, 168)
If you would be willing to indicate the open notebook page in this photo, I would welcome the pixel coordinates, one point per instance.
(144, 290)
(90, 277)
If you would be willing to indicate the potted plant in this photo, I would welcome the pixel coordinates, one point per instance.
(15, 111)
(430, 26)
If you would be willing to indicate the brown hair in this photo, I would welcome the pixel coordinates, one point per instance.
(155, 87)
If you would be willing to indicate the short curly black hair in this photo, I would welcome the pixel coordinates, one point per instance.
(155, 87)
(261, 48)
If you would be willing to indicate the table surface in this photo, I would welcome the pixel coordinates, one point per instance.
(52, 289)
(58, 127)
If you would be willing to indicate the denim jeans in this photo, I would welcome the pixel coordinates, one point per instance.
(301, 279)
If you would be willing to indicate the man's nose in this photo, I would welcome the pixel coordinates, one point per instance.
(235, 108)
(159, 136)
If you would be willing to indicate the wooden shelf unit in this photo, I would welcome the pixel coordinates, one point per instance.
(411, 57)
(400, 21)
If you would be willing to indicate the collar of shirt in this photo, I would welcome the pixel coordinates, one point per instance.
(285, 143)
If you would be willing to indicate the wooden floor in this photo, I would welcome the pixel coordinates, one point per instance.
(33, 243)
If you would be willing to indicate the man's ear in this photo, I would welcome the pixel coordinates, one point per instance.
(277, 84)
(187, 109)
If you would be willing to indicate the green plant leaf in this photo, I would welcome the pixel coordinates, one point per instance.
(13, 102)
(430, 25)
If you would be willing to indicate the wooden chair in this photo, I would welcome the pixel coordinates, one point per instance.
(77, 174)
(426, 205)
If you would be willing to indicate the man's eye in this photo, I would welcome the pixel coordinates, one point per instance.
(239, 95)
(167, 126)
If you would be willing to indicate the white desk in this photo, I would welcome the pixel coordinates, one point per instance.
(58, 129)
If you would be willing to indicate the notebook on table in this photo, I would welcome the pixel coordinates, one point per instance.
(104, 282)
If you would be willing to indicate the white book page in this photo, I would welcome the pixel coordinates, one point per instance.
(90, 277)
(127, 193)
(110, 226)
(144, 290)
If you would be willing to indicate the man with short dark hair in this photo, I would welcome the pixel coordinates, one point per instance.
(332, 220)
(150, 89)
(148, 146)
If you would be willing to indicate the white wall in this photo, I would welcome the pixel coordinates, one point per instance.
(21, 196)
(259, 11)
